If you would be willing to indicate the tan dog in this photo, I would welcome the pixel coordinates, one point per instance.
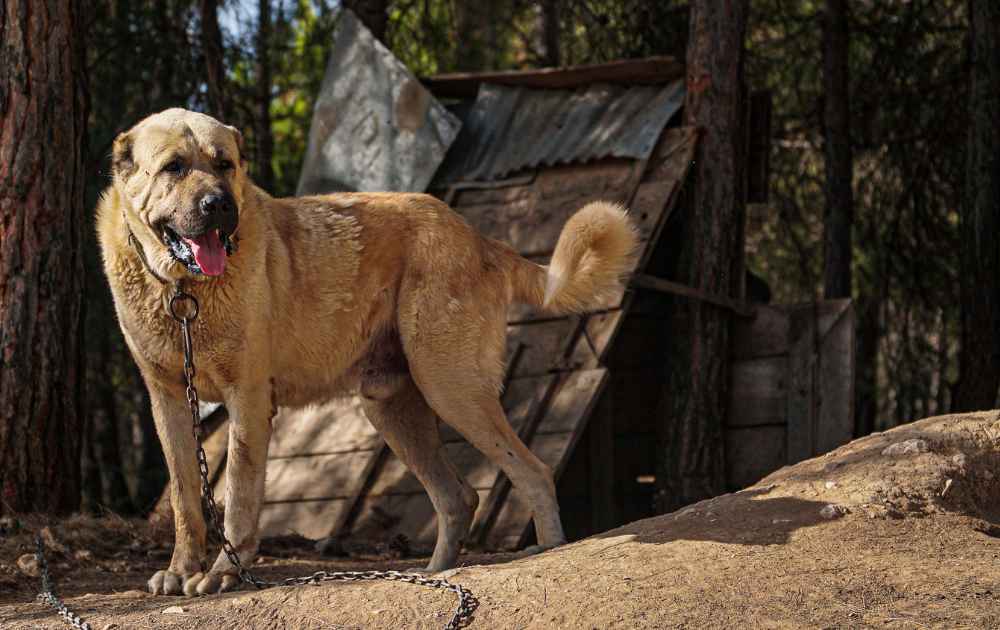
(391, 295)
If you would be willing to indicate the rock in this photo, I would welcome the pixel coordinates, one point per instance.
(830, 485)
(28, 564)
(906, 447)
(831, 511)
(83, 555)
(173, 610)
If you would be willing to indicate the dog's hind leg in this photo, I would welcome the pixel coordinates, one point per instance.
(410, 429)
(478, 416)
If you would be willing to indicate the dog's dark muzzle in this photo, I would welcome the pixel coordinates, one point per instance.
(219, 212)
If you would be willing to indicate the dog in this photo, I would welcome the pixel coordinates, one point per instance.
(392, 296)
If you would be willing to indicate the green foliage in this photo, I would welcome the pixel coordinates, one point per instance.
(908, 92)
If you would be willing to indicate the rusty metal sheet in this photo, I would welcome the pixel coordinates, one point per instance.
(375, 127)
(512, 128)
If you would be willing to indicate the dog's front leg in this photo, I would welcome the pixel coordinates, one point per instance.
(173, 424)
(250, 412)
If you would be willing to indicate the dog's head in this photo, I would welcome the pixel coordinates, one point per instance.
(181, 175)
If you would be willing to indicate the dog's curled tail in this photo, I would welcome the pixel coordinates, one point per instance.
(595, 251)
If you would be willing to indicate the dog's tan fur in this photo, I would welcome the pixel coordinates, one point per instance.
(391, 295)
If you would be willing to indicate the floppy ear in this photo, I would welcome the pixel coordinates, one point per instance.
(239, 142)
(122, 164)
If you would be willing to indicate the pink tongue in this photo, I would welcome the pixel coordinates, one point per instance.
(208, 253)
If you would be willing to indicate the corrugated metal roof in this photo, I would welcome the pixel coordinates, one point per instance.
(511, 128)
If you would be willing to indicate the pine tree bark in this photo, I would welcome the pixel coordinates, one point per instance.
(42, 117)
(215, 70)
(979, 359)
(264, 172)
(838, 217)
(691, 459)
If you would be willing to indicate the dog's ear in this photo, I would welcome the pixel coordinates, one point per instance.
(239, 142)
(122, 162)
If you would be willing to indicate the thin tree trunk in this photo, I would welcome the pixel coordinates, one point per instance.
(215, 70)
(838, 216)
(42, 117)
(979, 361)
(374, 14)
(264, 174)
(691, 459)
(550, 28)
(866, 387)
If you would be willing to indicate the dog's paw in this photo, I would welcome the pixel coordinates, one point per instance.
(210, 583)
(167, 582)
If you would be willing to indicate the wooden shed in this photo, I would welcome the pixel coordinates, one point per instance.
(582, 391)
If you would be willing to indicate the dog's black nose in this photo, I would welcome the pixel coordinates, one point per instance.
(217, 205)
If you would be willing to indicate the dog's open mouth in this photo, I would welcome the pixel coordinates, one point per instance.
(204, 254)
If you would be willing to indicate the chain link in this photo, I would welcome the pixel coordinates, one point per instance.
(467, 602)
(48, 594)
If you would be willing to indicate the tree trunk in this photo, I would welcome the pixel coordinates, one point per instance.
(374, 14)
(42, 117)
(264, 175)
(215, 70)
(866, 385)
(979, 361)
(691, 461)
(838, 216)
(550, 31)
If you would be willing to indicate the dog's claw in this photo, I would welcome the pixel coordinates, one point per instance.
(166, 583)
(211, 583)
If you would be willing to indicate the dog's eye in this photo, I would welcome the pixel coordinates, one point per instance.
(173, 166)
(225, 165)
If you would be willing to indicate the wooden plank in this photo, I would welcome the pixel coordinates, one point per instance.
(543, 343)
(758, 392)
(313, 477)
(836, 384)
(597, 335)
(644, 281)
(530, 221)
(765, 335)
(676, 152)
(571, 407)
(651, 70)
(803, 340)
(312, 519)
(395, 477)
(752, 454)
(337, 426)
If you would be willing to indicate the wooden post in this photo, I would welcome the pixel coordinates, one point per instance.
(691, 463)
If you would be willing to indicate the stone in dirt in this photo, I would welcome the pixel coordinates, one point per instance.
(906, 447)
(28, 564)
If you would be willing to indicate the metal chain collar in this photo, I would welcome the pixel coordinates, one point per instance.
(467, 602)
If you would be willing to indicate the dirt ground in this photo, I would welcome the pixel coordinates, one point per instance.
(863, 537)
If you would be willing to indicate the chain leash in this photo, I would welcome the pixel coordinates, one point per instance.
(467, 602)
(48, 594)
